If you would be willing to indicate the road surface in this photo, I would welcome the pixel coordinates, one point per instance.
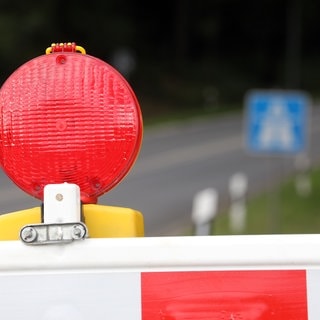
(179, 160)
(176, 161)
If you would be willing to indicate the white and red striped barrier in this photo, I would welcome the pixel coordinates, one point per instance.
(234, 278)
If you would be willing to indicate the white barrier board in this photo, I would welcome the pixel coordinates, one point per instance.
(215, 277)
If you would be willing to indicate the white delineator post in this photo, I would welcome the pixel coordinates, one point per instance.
(302, 180)
(238, 186)
(204, 210)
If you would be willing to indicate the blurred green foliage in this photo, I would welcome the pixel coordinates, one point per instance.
(187, 54)
(281, 210)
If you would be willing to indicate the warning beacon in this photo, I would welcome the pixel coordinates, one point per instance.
(71, 129)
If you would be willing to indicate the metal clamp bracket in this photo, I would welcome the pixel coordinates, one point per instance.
(53, 233)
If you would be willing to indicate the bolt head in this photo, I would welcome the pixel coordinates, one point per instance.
(29, 234)
(78, 232)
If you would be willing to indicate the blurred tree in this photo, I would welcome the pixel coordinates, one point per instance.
(293, 44)
(180, 47)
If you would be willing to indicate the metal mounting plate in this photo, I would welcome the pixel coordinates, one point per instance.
(53, 233)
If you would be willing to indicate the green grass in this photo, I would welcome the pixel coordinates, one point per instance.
(281, 211)
(180, 115)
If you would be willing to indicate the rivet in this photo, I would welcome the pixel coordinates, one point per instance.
(59, 197)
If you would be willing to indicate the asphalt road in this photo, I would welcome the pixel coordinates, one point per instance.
(178, 160)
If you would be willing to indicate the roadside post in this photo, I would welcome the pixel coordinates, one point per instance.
(303, 181)
(238, 186)
(70, 130)
(204, 210)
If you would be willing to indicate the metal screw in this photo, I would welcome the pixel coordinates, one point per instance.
(59, 197)
(78, 232)
(28, 234)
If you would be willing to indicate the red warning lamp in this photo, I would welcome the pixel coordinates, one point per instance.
(68, 117)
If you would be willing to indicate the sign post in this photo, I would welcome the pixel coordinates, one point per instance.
(276, 125)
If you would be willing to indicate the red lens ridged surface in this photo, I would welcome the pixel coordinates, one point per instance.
(68, 117)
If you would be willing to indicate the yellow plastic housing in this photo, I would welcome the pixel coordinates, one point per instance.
(101, 221)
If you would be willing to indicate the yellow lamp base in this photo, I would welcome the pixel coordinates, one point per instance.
(101, 221)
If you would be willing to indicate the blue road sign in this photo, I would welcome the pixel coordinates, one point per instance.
(277, 121)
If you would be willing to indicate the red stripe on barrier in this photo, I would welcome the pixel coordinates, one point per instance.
(229, 295)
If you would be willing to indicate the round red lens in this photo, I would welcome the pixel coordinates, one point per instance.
(68, 118)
